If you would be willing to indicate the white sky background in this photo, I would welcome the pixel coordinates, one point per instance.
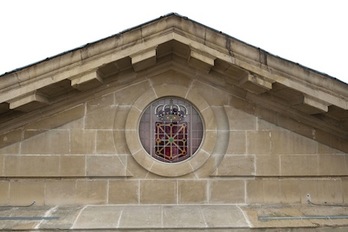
(313, 33)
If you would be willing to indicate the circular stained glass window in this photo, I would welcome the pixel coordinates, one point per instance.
(171, 129)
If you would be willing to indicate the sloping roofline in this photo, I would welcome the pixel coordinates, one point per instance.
(153, 20)
(267, 79)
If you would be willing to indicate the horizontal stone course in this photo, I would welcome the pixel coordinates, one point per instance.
(81, 155)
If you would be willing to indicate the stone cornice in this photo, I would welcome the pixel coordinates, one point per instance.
(202, 40)
(246, 67)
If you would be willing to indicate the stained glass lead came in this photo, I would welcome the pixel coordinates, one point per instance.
(170, 125)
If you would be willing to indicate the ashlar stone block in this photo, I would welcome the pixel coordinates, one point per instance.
(141, 217)
(267, 165)
(171, 77)
(82, 141)
(51, 142)
(136, 169)
(1, 164)
(158, 192)
(91, 191)
(330, 191)
(102, 118)
(228, 216)
(11, 149)
(123, 192)
(213, 96)
(170, 90)
(108, 165)
(60, 192)
(286, 142)
(192, 191)
(106, 142)
(237, 165)
(254, 191)
(299, 165)
(120, 142)
(10, 137)
(290, 191)
(258, 142)
(128, 95)
(335, 164)
(59, 119)
(239, 120)
(121, 115)
(98, 217)
(100, 102)
(345, 190)
(271, 191)
(73, 165)
(24, 192)
(227, 191)
(4, 192)
(179, 217)
(41, 165)
(237, 142)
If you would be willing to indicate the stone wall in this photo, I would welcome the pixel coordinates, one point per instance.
(86, 150)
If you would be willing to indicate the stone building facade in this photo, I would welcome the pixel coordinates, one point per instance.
(273, 138)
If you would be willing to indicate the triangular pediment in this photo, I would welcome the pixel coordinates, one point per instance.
(272, 86)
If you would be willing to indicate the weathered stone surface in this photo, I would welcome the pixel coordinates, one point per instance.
(57, 192)
(106, 165)
(72, 165)
(240, 120)
(11, 149)
(286, 142)
(51, 142)
(267, 165)
(27, 191)
(123, 192)
(4, 192)
(82, 141)
(58, 119)
(129, 94)
(31, 166)
(181, 217)
(227, 191)
(91, 191)
(237, 165)
(259, 142)
(102, 118)
(192, 191)
(98, 217)
(224, 216)
(299, 165)
(141, 217)
(10, 137)
(66, 216)
(158, 192)
(237, 143)
(105, 142)
(332, 164)
(262, 144)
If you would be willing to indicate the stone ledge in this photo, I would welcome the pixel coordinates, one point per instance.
(175, 217)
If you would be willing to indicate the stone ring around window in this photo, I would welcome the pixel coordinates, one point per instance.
(168, 135)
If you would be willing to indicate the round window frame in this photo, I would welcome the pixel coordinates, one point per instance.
(193, 108)
(153, 165)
